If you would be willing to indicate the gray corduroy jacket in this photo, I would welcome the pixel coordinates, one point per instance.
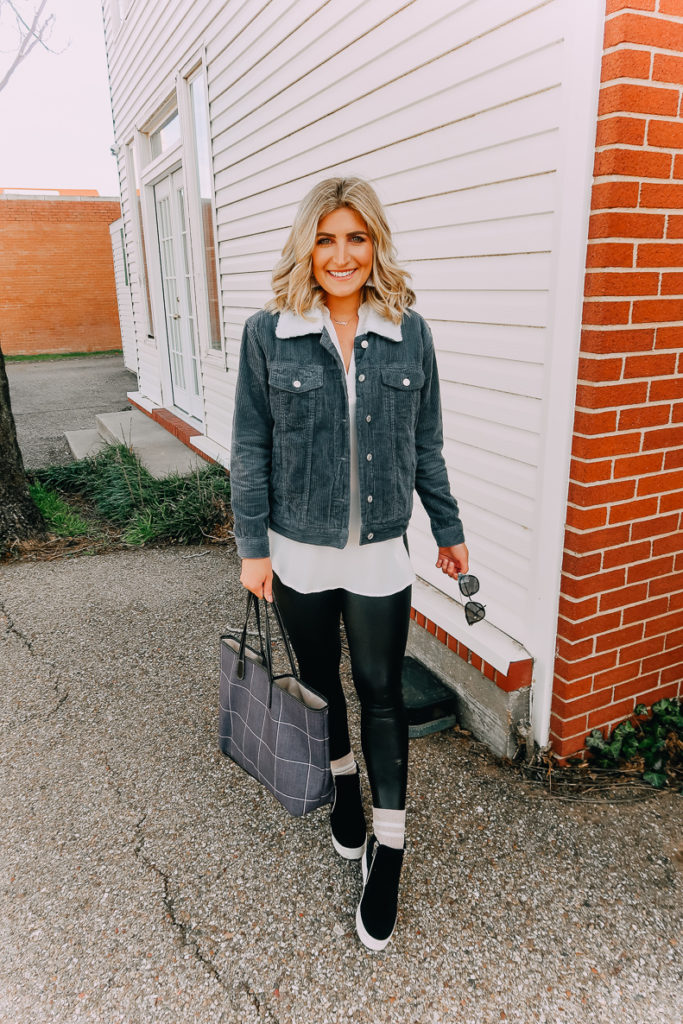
(290, 442)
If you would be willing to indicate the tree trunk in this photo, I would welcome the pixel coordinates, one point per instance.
(19, 517)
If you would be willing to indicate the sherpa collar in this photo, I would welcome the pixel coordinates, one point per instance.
(291, 325)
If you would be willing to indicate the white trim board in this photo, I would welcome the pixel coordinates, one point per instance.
(145, 403)
(211, 448)
(490, 643)
(582, 56)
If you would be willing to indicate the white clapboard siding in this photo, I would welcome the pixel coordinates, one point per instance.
(356, 71)
(123, 297)
(331, 30)
(454, 111)
(395, 177)
(507, 597)
(482, 203)
(499, 341)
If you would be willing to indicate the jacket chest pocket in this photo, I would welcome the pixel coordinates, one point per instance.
(293, 391)
(400, 390)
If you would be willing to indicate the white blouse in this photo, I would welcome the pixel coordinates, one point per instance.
(373, 570)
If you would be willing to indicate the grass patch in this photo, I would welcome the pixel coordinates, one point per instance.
(60, 517)
(119, 492)
(43, 356)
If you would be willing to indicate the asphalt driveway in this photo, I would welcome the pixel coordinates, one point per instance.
(145, 878)
(53, 395)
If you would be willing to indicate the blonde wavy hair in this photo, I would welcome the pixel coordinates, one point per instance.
(387, 289)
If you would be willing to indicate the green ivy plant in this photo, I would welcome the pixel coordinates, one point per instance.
(649, 741)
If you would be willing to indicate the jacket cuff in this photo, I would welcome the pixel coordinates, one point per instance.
(449, 535)
(253, 547)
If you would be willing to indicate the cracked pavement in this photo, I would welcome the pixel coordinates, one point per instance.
(143, 877)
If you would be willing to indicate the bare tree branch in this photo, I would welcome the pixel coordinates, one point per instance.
(35, 28)
(30, 35)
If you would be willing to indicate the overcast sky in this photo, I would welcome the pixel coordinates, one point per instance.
(55, 118)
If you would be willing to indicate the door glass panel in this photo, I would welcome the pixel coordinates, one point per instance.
(170, 289)
(180, 194)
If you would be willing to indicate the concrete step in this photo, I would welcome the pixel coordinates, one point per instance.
(159, 452)
(84, 443)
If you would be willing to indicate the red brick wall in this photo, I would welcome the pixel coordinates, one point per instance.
(57, 290)
(620, 630)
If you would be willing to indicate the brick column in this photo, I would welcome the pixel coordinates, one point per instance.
(620, 628)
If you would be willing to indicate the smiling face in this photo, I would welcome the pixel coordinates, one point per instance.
(342, 256)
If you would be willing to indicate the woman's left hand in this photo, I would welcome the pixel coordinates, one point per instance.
(454, 560)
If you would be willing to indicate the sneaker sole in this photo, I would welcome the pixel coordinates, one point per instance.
(368, 940)
(349, 852)
(376, 945)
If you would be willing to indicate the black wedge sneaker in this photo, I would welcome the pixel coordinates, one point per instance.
(376, 914)
(347, 820)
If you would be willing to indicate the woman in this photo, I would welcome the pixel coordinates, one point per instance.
(337, 422)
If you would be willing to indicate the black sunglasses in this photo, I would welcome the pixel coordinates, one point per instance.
(469, 585)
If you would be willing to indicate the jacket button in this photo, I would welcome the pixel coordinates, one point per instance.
(364, 343)
(370, 536)
(297, 383)
(406, 381)
(369, 497)
(369, 456)
(361, 377)
(368, 419)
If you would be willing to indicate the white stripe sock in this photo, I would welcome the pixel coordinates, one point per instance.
(389, 827)
(344, 765)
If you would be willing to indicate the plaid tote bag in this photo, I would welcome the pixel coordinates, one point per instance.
(273, 726)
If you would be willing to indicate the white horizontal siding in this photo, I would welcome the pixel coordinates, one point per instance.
(454, 112)
(123, 298)
(135, 269)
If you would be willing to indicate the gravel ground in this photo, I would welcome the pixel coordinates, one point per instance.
(145, 878)
(51, 396)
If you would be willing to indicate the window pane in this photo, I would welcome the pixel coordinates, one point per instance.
(165, 136)
(202, 147)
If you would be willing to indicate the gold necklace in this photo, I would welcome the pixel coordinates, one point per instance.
(344, 323)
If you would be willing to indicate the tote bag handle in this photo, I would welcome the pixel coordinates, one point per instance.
(265, 642)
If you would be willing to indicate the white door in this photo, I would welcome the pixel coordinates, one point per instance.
(176, 275)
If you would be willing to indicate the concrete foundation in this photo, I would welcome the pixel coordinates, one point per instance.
(489, 713)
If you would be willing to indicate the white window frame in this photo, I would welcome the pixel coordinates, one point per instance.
(191, 69)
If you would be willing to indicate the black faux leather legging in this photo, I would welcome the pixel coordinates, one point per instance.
(377, 631)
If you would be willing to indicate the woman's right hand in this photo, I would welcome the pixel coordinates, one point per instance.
(257, 576)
